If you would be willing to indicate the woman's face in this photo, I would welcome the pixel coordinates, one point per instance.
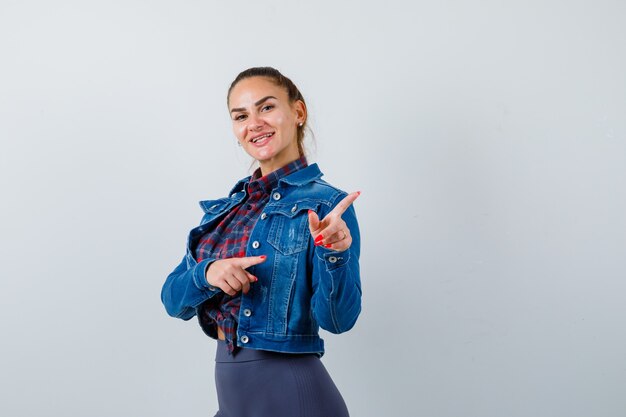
(265, 122)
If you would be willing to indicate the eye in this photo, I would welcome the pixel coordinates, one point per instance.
(267, 106)
(240, 117)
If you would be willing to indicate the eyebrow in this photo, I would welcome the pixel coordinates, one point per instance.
(256, 104)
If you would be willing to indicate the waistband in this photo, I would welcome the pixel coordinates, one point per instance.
(248, 355)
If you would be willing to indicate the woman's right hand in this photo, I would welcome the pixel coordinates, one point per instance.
(230, 274)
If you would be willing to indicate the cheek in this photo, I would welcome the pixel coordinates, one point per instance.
(281, 121)
(239, 130)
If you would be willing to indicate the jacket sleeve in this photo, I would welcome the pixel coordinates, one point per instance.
(186, 288)
(336, 300)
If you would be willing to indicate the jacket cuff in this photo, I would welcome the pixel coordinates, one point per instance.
(334, 259)
(199, 276)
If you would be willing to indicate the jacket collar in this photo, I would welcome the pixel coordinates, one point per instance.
(300, 177)
(303, 176)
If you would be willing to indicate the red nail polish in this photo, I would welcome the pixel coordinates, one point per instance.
(310, 211)
(318, 239)
(263, 257)
(358, 192)
(328, 245)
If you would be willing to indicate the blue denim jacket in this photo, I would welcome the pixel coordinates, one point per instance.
(301, 287)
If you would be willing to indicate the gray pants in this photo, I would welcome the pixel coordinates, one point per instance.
(256, 383)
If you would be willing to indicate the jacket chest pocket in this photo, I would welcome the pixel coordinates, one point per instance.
(289, 227)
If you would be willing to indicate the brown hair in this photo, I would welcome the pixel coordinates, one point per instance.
(280, 80)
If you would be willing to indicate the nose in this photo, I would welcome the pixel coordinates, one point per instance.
(254, 123)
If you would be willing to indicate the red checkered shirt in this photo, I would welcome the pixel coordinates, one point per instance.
(229, 240)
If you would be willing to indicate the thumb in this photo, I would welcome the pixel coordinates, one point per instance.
(314, 221)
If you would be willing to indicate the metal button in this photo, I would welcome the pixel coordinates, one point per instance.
(255, 244)
(247, 312)
(294, 208)
(263, 216)
(276, 196)
(244, 339)
(212, 288)
(332, 259)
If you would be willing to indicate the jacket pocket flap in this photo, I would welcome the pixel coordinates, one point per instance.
(291, 210)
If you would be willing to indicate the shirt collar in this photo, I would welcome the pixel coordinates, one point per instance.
(268, 182)
(301, 177)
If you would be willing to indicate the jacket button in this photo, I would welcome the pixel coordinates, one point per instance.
(276, 196)
(255, 244)
(263, 216)
(332, 259)
(244, 339)
(212, 288)
(294, 208)
(247, 312)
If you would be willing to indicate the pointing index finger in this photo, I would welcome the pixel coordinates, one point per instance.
(345, 203)
(248, 261)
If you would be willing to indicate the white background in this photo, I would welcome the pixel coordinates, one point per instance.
(487, 138)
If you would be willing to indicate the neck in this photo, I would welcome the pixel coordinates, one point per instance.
(271, 165)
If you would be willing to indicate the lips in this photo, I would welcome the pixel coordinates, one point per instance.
(262, 138)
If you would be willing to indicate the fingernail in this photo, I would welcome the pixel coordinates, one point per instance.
(310, 211)
(263, 257)
(328, 245)
(318, 239)
(358, 193)
(255, 278)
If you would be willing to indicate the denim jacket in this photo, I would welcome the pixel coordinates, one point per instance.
(301, 287)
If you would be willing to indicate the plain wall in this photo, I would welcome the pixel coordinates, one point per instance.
(487, 138)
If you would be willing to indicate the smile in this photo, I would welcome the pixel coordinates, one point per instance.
(260, 140)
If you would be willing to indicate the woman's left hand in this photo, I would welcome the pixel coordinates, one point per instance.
(332, 232)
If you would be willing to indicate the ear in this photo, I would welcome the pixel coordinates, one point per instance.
(300, 109)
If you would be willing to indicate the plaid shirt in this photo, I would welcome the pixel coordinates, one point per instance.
(230, 238)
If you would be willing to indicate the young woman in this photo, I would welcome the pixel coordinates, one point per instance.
(271, 263)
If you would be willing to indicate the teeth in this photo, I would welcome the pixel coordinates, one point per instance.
(261, 137)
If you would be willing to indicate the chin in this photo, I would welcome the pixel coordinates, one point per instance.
(263, 156)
